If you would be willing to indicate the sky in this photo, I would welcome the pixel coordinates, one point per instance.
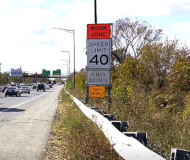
(28, 38)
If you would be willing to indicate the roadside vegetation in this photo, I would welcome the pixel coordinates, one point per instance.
(150, 85)
(75, 137)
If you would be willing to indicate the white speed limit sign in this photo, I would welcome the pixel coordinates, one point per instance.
(98, 53)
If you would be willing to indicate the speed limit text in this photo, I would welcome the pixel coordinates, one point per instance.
(99, 47)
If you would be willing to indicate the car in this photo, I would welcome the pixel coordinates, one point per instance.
(4, 88)
(13, 91)
(34, 87)
(41, 87)
(25, 89)
(47, 86)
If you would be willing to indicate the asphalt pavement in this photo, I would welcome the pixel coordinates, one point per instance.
(25, 124)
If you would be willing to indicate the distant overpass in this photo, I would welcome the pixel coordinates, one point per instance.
(41, 76)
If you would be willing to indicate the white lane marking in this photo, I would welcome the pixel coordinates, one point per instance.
(23, 103)
(2, 98)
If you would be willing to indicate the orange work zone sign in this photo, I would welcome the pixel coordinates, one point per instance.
(98, 31)
(97, 91)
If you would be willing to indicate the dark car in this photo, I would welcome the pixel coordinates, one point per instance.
(41, 87)
(4, 88)
(50, 86)
(13, 91)
(34, 87)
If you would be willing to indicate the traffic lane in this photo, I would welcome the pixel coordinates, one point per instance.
(33, 92)
(11, 107)
(2, 94)
(9, 102)
(13, 101)
(25, 136)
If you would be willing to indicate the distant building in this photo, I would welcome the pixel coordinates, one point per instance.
(16, 72)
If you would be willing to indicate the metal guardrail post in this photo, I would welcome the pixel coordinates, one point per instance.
(140, 136)
(179, 154)
(117, 124)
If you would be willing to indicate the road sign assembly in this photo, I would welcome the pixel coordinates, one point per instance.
(98, 59)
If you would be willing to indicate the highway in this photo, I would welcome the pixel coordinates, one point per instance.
(25, 123)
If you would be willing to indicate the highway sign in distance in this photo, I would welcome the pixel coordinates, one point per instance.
(57, 72)
(98, 53)
(45, 73)
(98, 77)
(98, 31)
(97, 91)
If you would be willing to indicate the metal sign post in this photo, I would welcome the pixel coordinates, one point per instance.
(95, 12)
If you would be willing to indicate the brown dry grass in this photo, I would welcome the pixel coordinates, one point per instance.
(75, 137)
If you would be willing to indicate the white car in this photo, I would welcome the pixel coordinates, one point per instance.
(46, 86)
(25, 89)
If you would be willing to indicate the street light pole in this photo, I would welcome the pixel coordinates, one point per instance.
(69, 59)
(66, 64)
(73, 32)
(74, 54)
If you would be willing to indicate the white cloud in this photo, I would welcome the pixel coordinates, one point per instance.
(6, 6)
(31, 19)
(182, 32)
(33, 2)
(136, 8)
(182, 27)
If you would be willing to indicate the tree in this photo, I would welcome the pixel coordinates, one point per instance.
(130, 74)
(159, 58)
(130, 36)
(180, 76)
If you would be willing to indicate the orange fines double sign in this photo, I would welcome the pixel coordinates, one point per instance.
(97, 91)
(98, 31)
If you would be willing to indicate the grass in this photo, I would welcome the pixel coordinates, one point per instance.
(74, 136)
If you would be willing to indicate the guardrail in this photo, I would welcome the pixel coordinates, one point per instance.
(129, 145)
